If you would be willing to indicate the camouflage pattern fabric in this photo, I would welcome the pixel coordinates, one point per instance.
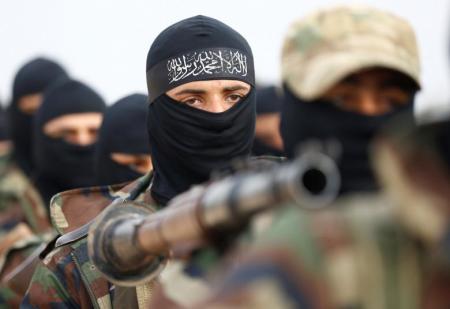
(67, 278)
(59, 283)
(324, 47)
(10, 298)
(355, 255)
(19, 200)
(23, 216)
(380, 251)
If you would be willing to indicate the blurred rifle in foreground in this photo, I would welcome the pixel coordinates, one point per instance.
(129, 243)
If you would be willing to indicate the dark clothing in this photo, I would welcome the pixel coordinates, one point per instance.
(4, 130)
(60, 165)
(187, 144)
(348, 136)
(197, 48)
(268, 101)
(32, 78)
(123, 130)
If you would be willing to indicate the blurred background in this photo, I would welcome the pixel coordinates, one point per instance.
(105, 42)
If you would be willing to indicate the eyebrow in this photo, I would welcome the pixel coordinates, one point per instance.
(190, 91)
(201, 91)
(234, 88)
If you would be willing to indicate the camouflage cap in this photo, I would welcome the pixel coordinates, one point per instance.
(328, 45)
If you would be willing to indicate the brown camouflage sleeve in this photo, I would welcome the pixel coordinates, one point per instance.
(57, 283)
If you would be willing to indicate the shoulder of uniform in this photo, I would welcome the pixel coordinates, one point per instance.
(80, 233)
(71, 210)
(15, 181)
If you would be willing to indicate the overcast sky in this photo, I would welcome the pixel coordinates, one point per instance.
(105, 42)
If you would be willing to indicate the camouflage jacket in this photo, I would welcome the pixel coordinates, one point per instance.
(19, 200)
(354, 255)
(22, 218)
(67, 278)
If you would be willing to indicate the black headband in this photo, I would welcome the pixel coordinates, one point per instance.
(202, 64)
(67, 96)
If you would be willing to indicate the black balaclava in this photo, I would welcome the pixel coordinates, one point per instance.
(4, 129)
(4, 137)
(443, 142)
(268, 101)
(61, 165)
(123, 130)
(186, 143)
(303, 122)
(32, 78)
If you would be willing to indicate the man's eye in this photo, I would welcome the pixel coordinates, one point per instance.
(61, 134)
(234, 97)
(93, 131)
(343, 100)
(191, 101)
(396, 98)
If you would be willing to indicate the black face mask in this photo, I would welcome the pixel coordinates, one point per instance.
(68, 165)
(352, 133)
(268, 101)
(21, 125)
(33, 78)
(187, 144)
(114, 173)
(443, 142)
(63, 166)
(4, 131)
(59, 165)
(123, 130)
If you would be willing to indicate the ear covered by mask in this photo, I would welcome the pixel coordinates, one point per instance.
(187, 144)
(61, 165)
(123, 130)
(352, 133)
(32, 78)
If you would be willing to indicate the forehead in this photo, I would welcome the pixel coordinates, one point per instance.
(74, 121)
(211, 85)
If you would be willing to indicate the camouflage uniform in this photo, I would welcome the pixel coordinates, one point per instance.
(68, 278)
(22, 217)
(19, 201)
(366, 251)
(359, 253)
(389, 250)
(358, 256)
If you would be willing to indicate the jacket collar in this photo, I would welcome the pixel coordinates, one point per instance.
(72, 209)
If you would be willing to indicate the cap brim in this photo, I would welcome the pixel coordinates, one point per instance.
(322, 72)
